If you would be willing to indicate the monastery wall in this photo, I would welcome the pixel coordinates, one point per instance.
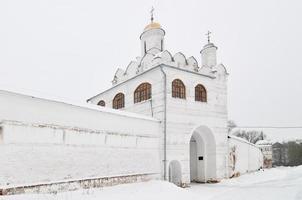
(244, 156)
(47, 141)
(152, 107)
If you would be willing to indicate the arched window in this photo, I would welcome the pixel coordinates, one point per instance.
(102, 103)
(142, 92)
(118, 101)
(200, 93)
(178, 89)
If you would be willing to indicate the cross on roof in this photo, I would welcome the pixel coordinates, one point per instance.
(208, 35)
(151, 12)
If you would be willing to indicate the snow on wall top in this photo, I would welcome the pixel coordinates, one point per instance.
(43, 97)
(263, 142)
(241, 140)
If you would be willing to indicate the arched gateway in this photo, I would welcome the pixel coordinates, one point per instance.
(202, 155)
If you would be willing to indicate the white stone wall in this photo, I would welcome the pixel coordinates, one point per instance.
(45, 140)
(248, 157)
(152, 107)
(184, 116)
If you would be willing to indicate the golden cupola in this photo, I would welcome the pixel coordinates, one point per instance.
(152, 38)
(152, 25)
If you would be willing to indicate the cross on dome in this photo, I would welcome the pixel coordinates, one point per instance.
(152, 25)
(151, 12)
(208, 35)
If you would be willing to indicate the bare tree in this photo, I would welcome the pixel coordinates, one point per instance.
(252, 136)
(231, 125)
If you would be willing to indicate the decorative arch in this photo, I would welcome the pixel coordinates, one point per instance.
(118, 76)
(146, 60)
(166, 56)
(192, 61)
(202, 155)
(193, 64)
(118, 101)
(180, 59)
(200, 93)
(102, 103)
(222, 68)
(142, 92)
(220, 72)
(119, 73)
(175, 172)
(178, 89)
(131, 69)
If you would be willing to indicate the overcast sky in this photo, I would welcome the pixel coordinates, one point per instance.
(71, 49)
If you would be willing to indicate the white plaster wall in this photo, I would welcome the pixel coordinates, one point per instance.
(153, 107)
(150, 108)
(153, 39)
(208, 56)
(185, 115)
(248, 156)
(49, 141)
(26, 164)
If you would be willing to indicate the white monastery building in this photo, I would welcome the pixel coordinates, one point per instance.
(165, 117)
(189, 100)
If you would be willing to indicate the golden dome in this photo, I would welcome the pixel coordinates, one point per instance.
(152, 25)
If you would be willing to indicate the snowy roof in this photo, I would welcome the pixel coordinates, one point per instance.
(241, 139)
(90, 106)
(238, 138)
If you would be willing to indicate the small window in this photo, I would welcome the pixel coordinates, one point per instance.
(102, 103)
(118, 101)
(142, 92)
(178, 89)
(161, 44)
(200, 93)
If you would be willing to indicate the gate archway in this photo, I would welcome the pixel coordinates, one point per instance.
(202, 155)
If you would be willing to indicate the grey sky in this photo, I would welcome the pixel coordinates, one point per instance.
(71, 48)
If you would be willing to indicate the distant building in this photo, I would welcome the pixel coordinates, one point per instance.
(267, 151)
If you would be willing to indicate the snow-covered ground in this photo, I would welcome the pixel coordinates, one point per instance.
(284, 183)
